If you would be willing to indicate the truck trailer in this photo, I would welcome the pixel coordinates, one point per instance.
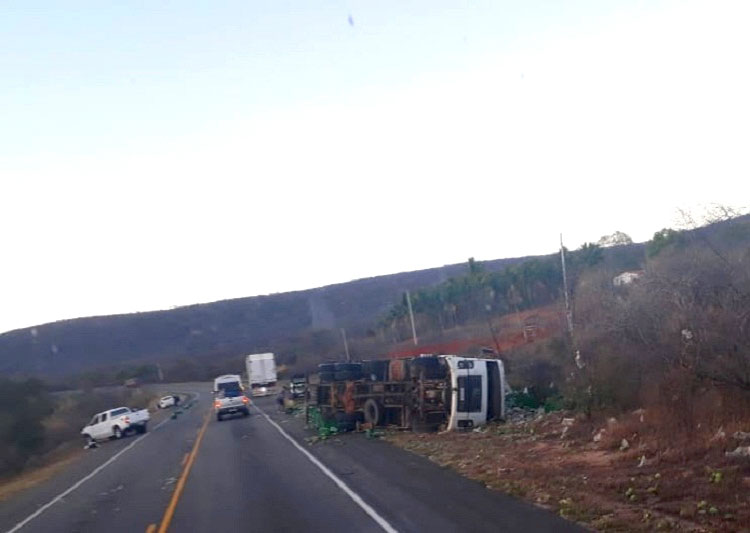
(422, 393)
(261, 373)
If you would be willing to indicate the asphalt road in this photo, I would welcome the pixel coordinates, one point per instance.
(259, 474)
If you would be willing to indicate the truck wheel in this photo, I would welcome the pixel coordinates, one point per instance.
(375, 370)
(246, 412)
(117, 432)
(373, 412)
(347, 371)
(142, 429)
(219, 418)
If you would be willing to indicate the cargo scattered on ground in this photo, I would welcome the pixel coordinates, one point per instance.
(603, 473)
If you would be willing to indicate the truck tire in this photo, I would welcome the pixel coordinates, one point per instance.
(219, 418)
(326, 367)
(373, 411)
(345, 422)
(246, 412)
(347, 371)
(375, 370)
(117, 432)
(346, 375)
(141, 429)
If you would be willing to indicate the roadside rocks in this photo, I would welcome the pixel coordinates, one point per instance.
(743, 450)
(739, 452)
(516, 415)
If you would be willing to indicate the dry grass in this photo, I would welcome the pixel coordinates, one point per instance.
(34, 476)
(63, 443)
(595, 483)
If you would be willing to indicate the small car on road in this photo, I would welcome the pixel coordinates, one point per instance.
(167, 401)
(229, 397)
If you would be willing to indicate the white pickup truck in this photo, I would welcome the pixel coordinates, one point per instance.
(115, 423)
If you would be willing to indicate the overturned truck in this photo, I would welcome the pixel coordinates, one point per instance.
(424, 393)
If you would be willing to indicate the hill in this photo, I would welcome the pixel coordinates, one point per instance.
(304, 323)
(227, 327)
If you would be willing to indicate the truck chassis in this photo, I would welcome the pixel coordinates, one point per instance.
(416, 404)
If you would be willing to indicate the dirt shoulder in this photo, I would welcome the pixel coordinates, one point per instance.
(68, 452)
(33, 476)
(592, 477)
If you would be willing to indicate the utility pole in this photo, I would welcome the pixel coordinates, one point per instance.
(568, 313)
(411, 317)
(346, 345)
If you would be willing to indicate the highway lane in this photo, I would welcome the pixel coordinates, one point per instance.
(247, 475)
(414, 494)
(127, 494)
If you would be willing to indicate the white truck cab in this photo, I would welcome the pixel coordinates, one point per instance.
(477, 391)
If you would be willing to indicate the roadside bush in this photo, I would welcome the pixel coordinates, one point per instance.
(540, 370)
(677, 340)
(35, 424)
(23, 406)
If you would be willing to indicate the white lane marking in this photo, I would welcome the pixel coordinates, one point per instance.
(372, 513)
(83, 480)
(62, 495)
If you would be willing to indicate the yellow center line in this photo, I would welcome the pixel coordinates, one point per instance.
(169, 512)
(185, 458)
(151, 528)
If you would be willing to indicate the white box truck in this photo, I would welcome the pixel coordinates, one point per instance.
(261, 373)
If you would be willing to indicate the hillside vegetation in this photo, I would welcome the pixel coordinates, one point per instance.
(645, 405)
(212, 332)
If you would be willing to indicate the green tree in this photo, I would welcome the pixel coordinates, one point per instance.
(661, 240)
(589, 254)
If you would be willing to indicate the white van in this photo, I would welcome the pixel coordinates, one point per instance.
(227, 381)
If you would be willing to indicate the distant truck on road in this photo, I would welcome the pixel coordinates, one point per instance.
(261, 373)
(115, 423)
(422, 393)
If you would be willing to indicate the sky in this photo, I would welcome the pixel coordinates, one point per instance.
(163, 153)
